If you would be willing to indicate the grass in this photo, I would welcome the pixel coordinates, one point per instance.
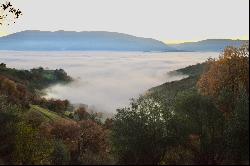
(49, 115)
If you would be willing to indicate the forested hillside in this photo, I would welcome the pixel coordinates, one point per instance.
(202, 119)
(35, 130)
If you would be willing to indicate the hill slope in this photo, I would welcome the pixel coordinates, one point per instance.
(168, 91)
(208, 45)
(79, 41)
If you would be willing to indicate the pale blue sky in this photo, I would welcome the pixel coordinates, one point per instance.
(165, 20)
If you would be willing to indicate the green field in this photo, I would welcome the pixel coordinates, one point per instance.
(47, 114)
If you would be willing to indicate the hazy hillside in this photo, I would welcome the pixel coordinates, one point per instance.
(79, 41)
(168, 91)
(208, 45)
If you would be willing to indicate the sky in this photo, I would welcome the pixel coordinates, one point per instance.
(170, 21)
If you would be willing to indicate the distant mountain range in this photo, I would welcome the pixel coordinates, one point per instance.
(79, 41)
(101, 41)
(208, 45)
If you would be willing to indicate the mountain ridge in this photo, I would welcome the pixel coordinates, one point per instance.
(60, 40)
(208, 45)
(36, 40)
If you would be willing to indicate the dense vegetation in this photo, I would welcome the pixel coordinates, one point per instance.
(23, 86)
(35, 130)
(202, 119)
(36, 78)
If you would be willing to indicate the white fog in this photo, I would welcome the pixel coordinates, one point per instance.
(106, 80)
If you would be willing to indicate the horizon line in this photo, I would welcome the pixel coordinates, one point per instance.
(2, 34)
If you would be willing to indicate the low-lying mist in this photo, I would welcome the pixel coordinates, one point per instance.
(106, 80)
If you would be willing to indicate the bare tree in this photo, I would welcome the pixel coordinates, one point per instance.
(8, 13)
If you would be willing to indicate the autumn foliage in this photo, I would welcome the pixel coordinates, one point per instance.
(227, 77)
(16, 92)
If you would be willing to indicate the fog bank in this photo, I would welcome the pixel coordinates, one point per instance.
(106, 80)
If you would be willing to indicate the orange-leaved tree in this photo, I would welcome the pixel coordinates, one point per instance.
(227, 77)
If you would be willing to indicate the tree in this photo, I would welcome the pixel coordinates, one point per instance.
(227, 83)
(2, 65)
(30, 146)
(142, 133)
(94, 144)
(237, 131)
(226, 77)
(56, 105)
(66, 130)
(34, 118)
(108, 123)
(61, 75)
(204, 127)
(8, 118)
(8, 13)
(69, 132)
(82, 113)
(15, 92)
(60, 154)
